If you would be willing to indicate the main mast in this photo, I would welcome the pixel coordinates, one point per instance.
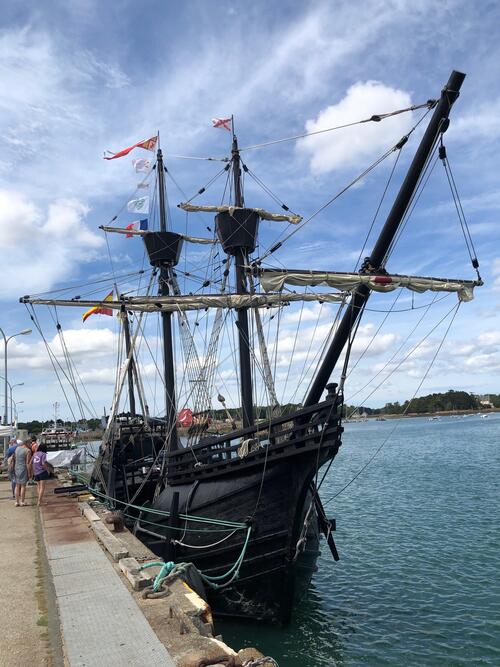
(237, 231)
(240, 261)
(164, 249)
(437, 125)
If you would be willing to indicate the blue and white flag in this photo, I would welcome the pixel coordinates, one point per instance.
(138, 224)
(140, 205)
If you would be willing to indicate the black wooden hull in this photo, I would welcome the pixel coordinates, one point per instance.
(270, 489)
(272, 574)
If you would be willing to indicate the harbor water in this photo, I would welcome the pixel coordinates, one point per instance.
(418, 535)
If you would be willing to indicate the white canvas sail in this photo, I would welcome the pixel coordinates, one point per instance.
(262, 213)
(274, 280)
(199, 302)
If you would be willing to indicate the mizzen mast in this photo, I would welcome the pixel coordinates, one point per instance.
(437, 125)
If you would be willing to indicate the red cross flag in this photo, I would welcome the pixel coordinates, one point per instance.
(224, 123)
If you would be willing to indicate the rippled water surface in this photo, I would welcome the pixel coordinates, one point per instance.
(418, 534)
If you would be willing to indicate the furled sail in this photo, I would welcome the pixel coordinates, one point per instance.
(142, 232)
(199, 302)
(265, 215)
(273, 280)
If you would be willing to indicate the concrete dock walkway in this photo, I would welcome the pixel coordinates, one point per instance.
(73, 594)
(25, 636)
(101, 622)
(92, 619)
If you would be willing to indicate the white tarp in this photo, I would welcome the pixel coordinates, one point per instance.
(66, 457)
(273, 280)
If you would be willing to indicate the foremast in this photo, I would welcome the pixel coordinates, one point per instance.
(376, 261)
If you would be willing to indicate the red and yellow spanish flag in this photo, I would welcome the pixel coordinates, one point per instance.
(147, 144)
(99, 310)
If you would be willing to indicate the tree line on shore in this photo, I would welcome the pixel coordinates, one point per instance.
(449, 401)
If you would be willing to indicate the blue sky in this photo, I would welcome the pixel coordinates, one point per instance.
(82, 77)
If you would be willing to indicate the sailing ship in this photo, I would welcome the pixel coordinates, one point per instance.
(243, 506)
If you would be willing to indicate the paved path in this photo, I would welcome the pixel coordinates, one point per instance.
(24, 638)
(56, 577)
(102, 624)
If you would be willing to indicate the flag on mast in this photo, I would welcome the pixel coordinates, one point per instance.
(138, 224)
(223, 123)
(147, 144)
(141, 164)
(140, 205)
(99, 310)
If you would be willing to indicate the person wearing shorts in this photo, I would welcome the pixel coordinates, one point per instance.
(34, 447)
(40, 470)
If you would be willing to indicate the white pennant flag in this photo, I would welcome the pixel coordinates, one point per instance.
(141, 164)
(140, 205)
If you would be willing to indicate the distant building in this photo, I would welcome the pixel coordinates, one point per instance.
(484, 400)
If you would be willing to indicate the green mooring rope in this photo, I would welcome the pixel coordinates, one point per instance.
(212, 581)
(230, 525)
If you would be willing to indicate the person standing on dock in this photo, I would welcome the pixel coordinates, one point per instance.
(34, 446)
(40, 470)
(22, 460)
(9, 457)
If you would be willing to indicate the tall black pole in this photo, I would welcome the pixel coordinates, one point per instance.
(437, 125)
(242, 313)
(130, 369)
(166, 317)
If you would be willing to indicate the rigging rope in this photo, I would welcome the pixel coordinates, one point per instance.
(459, 209)
(408, 355)
(398, 146)
(361, 470)
(375, 118)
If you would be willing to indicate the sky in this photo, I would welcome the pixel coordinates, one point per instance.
(84, 77)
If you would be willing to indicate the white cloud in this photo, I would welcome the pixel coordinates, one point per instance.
(82, 344)
(482, 123)
(495, 270)
(41, 248)
(358, 144)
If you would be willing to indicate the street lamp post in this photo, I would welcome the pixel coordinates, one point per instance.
(16, 413)
(13, 386)
(6, 339)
